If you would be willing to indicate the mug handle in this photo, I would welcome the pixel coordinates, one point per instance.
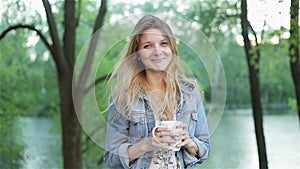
(153, 134)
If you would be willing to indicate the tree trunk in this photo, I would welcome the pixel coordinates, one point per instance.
(71, 129)
(294, 50)
(64, 57)
(252, 56)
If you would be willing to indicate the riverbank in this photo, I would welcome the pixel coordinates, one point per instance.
(233, 142)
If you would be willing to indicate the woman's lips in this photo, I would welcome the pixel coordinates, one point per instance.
(158, 60)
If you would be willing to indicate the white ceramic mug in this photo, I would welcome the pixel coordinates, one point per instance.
(174, 126)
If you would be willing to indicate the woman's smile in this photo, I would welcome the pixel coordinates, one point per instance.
(157, 60)
(154, 50)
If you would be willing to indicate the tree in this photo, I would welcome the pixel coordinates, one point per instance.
(294, 50)
(63, 53)
(253, 56)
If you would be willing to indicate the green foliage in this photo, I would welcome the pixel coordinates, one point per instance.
(214, 16)
(293, 104)
(28, 74)
(25, 87)
(235, 66)
(276, 84)
(93, 154)
(13, 76)
(13, 12)
(194, 68)
(10, 146)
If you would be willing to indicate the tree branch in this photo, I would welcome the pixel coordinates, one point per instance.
(57, 51)
(92, 48)
(69, 36)
(100, 79)
(30, 27)
(254, 33)
(79, 13)
(263, 32)
(255, 48)
(100, 17)
(90, 135)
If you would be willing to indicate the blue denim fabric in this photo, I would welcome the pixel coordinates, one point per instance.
(122, 133)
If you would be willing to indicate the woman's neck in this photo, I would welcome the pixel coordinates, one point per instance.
(155, 80)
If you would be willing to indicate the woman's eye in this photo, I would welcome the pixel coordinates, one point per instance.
(164, 44)
(147, 46)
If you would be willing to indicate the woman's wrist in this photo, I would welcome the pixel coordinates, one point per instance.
(190, 144)
(192, 147)
(138, 149)
(145, 145)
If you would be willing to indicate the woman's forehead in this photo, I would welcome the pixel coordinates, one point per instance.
(152, 33)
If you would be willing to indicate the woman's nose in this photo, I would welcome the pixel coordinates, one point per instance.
(157, 50)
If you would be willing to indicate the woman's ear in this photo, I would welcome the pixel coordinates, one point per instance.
(136, 56)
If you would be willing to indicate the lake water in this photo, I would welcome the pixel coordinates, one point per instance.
(233, 143)
(42, 146)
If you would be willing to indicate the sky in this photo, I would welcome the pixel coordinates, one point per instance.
(274, 12)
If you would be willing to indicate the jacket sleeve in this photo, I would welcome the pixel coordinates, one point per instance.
(201, 136)
(117, 140)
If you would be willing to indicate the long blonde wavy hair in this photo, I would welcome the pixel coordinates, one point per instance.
(129, 75)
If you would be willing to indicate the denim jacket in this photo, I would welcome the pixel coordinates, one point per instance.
(122, 133)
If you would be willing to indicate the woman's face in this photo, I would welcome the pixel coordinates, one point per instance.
(154, 50)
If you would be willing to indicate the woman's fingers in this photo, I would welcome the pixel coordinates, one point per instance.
(162, 137)
(182, 134)
(163, 131)
(165, 138)
(161, 145)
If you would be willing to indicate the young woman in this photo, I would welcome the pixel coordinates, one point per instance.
(150, 87)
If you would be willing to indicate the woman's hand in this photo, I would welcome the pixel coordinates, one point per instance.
(151, 143)
(162, 137)
(184, 136)
(187, 142)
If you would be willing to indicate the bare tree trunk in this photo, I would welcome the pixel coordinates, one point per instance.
(253, 57)
(64, 56)
(71, 129)
(294, 50)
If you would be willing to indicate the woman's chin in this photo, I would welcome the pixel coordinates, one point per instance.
(157, 69)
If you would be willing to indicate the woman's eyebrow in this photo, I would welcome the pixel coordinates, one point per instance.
(145, 42)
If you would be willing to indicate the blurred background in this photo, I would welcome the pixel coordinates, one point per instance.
(38, 49)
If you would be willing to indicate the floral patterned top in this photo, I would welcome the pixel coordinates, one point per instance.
(164, 159)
